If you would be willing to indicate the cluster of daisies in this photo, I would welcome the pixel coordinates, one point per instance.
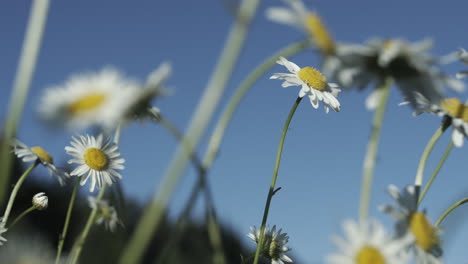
(415, 72)
(101, 101)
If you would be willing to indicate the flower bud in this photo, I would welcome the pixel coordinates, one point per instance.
(40, 201)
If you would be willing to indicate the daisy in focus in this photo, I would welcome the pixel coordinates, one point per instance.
(274, 242)
(89, 99)
(27, 154)
(97, 159)
(452, 110)
(369, 244)
(313, 84)
(106, 215)
(426, 241)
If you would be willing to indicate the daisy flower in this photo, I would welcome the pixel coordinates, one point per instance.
(2, 230)
(454, 111)
(426, 242)
(298, 16)
(409, 64)
(313, 84)
(89, 99)
(274, 242)
(463, 56)
(106, 213)
(368, 243)
(27, 154)
(98, 159)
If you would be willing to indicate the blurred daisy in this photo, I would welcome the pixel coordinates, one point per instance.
(297, 15)
(139, 107)
(313, 84)
(37, 153)
(463, 56)
(455, 112)
(98, 159)
(89, 99)
(409, 64)
(425, 236)
(369, 244)
(106, 214)
(2, 230)
(274, 242)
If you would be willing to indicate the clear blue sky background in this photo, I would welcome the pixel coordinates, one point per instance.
(320, 174)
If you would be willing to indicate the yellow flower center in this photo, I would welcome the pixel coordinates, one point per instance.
(455, 108)
(322, 38)
(96, 159)
(422, 230)
(369, 255)
(42, 154)
(387, 44)
(313, 78)
(86, 103)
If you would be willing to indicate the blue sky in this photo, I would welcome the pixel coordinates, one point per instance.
(320, 173)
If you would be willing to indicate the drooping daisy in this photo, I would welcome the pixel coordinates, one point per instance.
(106, 215)
(28, 154)
(455, 112)
(89, 99)
(369, 243)
(426, 242)
(98, 159)
(274, 242)
(40, 201)
(463, 56)
(313, 84)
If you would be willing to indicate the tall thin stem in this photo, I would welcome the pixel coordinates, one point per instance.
(449, 210)
(78, 245)
(425, 155)
(436, 171)
(15, 191)
(25, 212)
(67, 221)
(24, 74)
(273, 179)
(371, 155)
(152, 215)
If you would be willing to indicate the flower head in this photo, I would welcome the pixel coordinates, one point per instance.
(106, 213)
(2, 230)
(40, 201)
(98, 159)
(37, 153)
(89, 99)
(454, 111)
(313, 83)
(426, 242)
(299, 16)
(409, 64)
(274, 242)
(368, 243)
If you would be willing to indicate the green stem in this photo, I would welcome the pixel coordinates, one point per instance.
(32, 208)
(153, 214)
(67, 221)
(24, 74)
(436, 171)
(273, 179)
(449, 210)
(425, 155)
(78, 246)
(219, 131)
(15, 191)
(371, 155)
(241, 91)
